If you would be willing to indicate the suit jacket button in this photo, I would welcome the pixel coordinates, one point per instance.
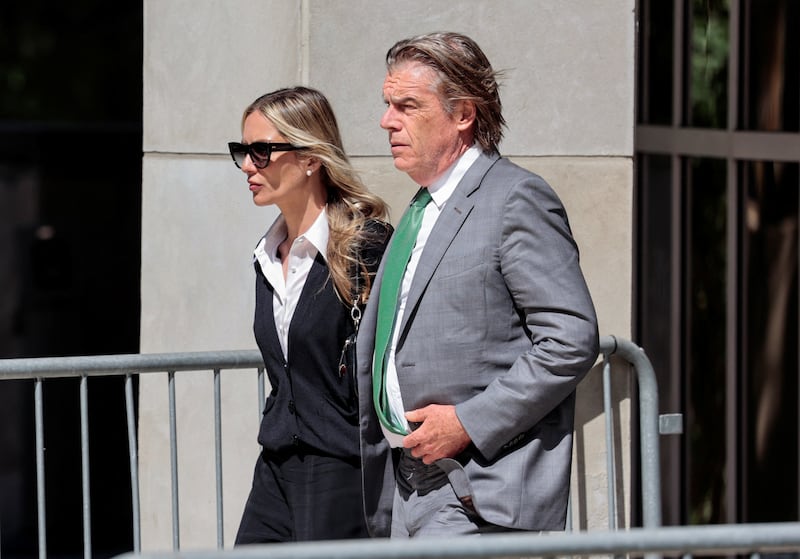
(291, 407)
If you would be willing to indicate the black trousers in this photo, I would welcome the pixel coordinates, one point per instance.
(303, 497)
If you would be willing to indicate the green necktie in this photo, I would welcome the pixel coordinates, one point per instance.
(405, 236)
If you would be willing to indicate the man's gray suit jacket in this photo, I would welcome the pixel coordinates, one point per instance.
(499, 322)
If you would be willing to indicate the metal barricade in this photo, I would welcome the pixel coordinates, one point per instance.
(651, 425)
(676, 541)
(39, 370)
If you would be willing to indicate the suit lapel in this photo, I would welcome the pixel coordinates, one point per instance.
(453, 215)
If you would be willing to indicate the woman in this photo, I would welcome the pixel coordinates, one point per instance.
(307, 480)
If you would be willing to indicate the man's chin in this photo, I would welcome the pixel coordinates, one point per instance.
(401, 164)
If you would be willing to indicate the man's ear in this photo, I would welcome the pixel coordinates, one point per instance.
(465, 114)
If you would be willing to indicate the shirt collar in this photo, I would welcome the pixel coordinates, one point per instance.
(317, 235)
(442, 188)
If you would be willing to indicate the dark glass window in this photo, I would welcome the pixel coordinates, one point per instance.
(655, 63)
(717, 267)
(658, 302)
(704, 339)
(70, 223)
(770, 65)
(655, 256)
(770, 307)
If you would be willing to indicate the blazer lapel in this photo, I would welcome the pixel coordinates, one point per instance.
(453, 215)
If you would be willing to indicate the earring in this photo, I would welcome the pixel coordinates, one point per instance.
(308, 172)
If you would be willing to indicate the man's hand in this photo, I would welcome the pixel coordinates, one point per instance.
(440, 434)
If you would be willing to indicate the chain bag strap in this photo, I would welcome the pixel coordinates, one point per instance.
(348, 361)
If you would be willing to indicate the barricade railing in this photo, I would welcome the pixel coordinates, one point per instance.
(651, 425)
(677, 541)
(38, 370)
(127, 366)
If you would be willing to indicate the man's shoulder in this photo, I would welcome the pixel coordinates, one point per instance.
(509, 168)
(506, 180)
(504, 176)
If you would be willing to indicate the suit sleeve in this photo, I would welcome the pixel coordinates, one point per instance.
(540, 267)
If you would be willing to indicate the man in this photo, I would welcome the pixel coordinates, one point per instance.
(471, 355)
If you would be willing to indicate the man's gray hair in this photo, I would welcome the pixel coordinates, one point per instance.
(465, 74)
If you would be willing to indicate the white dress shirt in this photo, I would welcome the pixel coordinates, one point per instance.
(304, 249)
(440, 190)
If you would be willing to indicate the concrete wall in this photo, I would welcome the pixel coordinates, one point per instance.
(568, 97)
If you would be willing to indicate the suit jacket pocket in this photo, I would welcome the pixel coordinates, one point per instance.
(457, 298)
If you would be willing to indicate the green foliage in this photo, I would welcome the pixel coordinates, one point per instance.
(709, 63)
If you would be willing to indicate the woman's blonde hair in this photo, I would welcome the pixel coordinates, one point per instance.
(305, 118)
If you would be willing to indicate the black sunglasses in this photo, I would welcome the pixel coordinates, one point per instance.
(259, 152)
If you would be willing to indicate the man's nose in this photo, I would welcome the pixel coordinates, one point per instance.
(388, 120)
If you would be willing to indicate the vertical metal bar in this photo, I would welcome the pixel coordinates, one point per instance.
(40, 496)
(87, 520)
(218, 455)
(134, 464)
(733, 356)
(677, 369)
(648, 427)
(611, 469)
(677, 63)
(173, 454)
(648, 435)
(733, 66)
(733, 352)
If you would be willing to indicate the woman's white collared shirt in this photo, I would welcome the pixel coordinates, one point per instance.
(304, 249)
